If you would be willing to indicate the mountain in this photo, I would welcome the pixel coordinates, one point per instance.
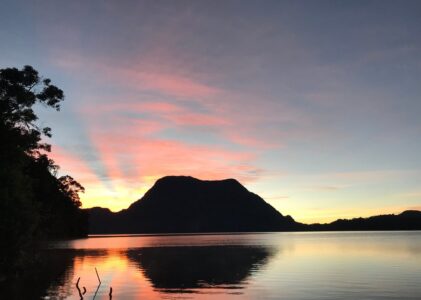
(181, 204)
(408, 220)
(177, 204)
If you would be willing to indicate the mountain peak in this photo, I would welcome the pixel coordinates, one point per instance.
(189, 186)
(188, 204)
(190, 179)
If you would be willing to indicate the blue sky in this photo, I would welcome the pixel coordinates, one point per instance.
(314, 105)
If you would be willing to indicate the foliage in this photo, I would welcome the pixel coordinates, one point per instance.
(34, 203)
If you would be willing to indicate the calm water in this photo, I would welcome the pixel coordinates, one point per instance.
(334, 265)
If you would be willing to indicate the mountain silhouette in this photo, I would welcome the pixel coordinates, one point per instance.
(181, 204)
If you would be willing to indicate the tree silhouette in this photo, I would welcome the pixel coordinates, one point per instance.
(34, 203)
(71, 188)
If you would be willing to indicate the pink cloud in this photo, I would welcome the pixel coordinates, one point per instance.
(166, 112)
(141, 76)
(196, 119)
(170, 84)
(238, 118)
(124, 127)
(130, 152)
(158, 107)
(72, 165)
(158, 157)
(177, 114)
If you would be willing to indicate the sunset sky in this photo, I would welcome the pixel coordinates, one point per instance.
(313, 105)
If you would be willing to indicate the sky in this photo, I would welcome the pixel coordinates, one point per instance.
(313, 105)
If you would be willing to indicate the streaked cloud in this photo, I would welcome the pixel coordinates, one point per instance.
(318, 103)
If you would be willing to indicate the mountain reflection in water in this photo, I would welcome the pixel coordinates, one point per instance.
(186, 269)
(153, 270)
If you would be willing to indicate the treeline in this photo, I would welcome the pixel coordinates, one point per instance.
(407, 220)
(35, 204)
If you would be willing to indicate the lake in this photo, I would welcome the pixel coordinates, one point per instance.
(311, 265)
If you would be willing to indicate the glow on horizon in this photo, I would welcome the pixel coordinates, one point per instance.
(122, 194)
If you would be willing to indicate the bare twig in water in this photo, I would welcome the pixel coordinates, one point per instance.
(97, 276)
(78, 289)
(99, 283)
(96, 291)
(111, 292)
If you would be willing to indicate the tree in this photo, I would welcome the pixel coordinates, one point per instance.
(34, 203)
(19, 91)
(71, 188)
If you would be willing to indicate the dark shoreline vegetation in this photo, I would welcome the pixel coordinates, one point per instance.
(38, 206)
(35, 205)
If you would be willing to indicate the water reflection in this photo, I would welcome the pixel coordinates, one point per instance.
(142, 272)
(360, 265)
(189, 269)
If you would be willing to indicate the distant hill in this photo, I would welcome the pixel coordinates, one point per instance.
(180, 204)
(408, 220)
